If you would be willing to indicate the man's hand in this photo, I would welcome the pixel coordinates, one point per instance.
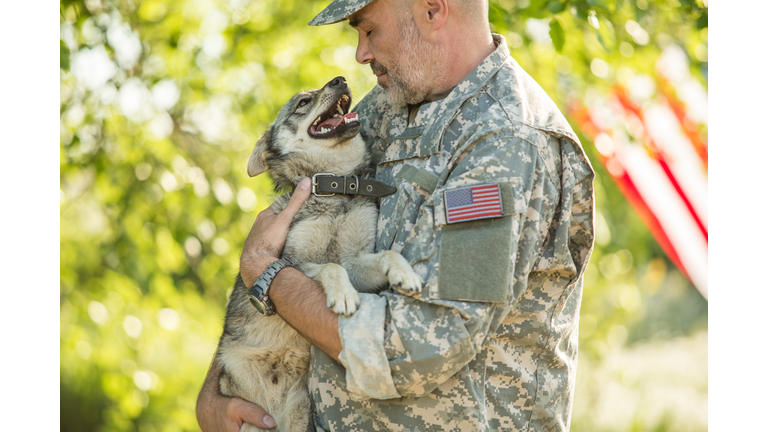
(266, 240)
(219, 413)
(303, 305)
(223, 413)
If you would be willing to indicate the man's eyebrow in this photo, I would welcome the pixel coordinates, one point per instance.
(356, 21)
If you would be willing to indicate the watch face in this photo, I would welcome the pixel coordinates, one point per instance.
(257, 304)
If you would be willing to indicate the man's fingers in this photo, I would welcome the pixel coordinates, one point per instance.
(252, 413)
(300, 196)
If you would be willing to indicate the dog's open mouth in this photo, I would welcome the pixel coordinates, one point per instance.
(334, 119)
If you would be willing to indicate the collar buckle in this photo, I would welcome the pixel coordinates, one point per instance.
(314, 184)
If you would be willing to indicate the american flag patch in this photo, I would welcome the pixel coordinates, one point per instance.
(472, 203)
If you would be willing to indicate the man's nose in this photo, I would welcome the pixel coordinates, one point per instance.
(363, 55)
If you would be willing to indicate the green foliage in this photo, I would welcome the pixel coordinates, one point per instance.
(63, 55)
(156, 203)
(557, 33)
(702, 21)
(556, 6)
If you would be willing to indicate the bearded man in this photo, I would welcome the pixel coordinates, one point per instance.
(490, 343)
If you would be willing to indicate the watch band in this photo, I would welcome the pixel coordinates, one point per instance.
(258, 292)
(328, 184)
(272, 270)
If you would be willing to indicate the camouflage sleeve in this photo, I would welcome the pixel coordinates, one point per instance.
(408, 346)
(362, 351)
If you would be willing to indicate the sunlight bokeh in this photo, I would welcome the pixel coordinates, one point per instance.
(159, 112)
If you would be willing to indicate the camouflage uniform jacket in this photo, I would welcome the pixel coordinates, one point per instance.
(490, 344)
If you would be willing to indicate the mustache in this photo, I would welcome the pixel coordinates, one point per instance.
(377, 68)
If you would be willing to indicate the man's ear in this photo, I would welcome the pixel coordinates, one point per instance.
(257, 164)
(430, 16)
(435, 12)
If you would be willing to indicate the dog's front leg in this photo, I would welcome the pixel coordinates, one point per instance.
(369, 272)
(342, 297)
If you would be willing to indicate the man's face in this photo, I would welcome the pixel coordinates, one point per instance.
(406, 65)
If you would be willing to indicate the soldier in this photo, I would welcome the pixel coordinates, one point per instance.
(495, 210)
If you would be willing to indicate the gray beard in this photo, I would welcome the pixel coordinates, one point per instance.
(421, 67)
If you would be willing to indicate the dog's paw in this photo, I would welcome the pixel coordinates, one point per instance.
(343, 300)
(405, 281)
(403, 278)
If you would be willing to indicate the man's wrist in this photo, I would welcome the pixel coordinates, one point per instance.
(253, 266)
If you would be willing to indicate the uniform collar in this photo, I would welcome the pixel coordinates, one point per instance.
(433, 118)
(438, 117)
(433, 97)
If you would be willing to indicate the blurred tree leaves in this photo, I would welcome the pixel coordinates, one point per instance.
(161, 103)
(556, 6)
(557, 33)
(702, 21)
(63, 55)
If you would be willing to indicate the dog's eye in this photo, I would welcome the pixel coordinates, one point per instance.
(303, 102)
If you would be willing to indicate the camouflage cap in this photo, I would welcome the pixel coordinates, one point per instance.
(337, 11)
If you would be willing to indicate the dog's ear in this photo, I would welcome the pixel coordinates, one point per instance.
(257, 164)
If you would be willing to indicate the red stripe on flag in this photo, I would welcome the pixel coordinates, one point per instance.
(465, 210)
(475, 210)
(679, 108)
(627, 187)
(630, 106)
(476, 216)
(686, 201)
(629, 190)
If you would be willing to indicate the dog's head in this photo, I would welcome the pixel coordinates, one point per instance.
(315, 124)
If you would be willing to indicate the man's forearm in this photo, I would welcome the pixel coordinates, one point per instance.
(301, 302)
(210, 389)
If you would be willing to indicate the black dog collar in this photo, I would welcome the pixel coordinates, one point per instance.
(328, 184)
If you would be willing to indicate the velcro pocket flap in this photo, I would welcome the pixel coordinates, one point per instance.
(410, 144)
(475, 256)
(419, 177)
(411, 133)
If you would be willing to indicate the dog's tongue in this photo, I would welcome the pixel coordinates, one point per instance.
(333, 122)
(330, 123)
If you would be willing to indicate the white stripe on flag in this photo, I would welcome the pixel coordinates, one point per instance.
(685, 164)
(665, 203)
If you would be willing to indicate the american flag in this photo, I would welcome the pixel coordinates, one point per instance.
(650, 143)
(471, 203)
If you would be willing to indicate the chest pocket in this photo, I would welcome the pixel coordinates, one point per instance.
(476, 258)
(403, 165)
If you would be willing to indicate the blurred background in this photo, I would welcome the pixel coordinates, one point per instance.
(162, 102)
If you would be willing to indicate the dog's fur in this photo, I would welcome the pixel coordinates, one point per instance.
(331, 240)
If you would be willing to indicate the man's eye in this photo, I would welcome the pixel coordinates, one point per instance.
(368, 33)
(303, 102)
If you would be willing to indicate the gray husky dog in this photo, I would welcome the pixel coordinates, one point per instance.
(331, 240)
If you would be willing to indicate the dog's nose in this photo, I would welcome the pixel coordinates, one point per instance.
(339, 81)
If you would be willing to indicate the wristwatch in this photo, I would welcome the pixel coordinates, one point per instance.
(258, 292)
